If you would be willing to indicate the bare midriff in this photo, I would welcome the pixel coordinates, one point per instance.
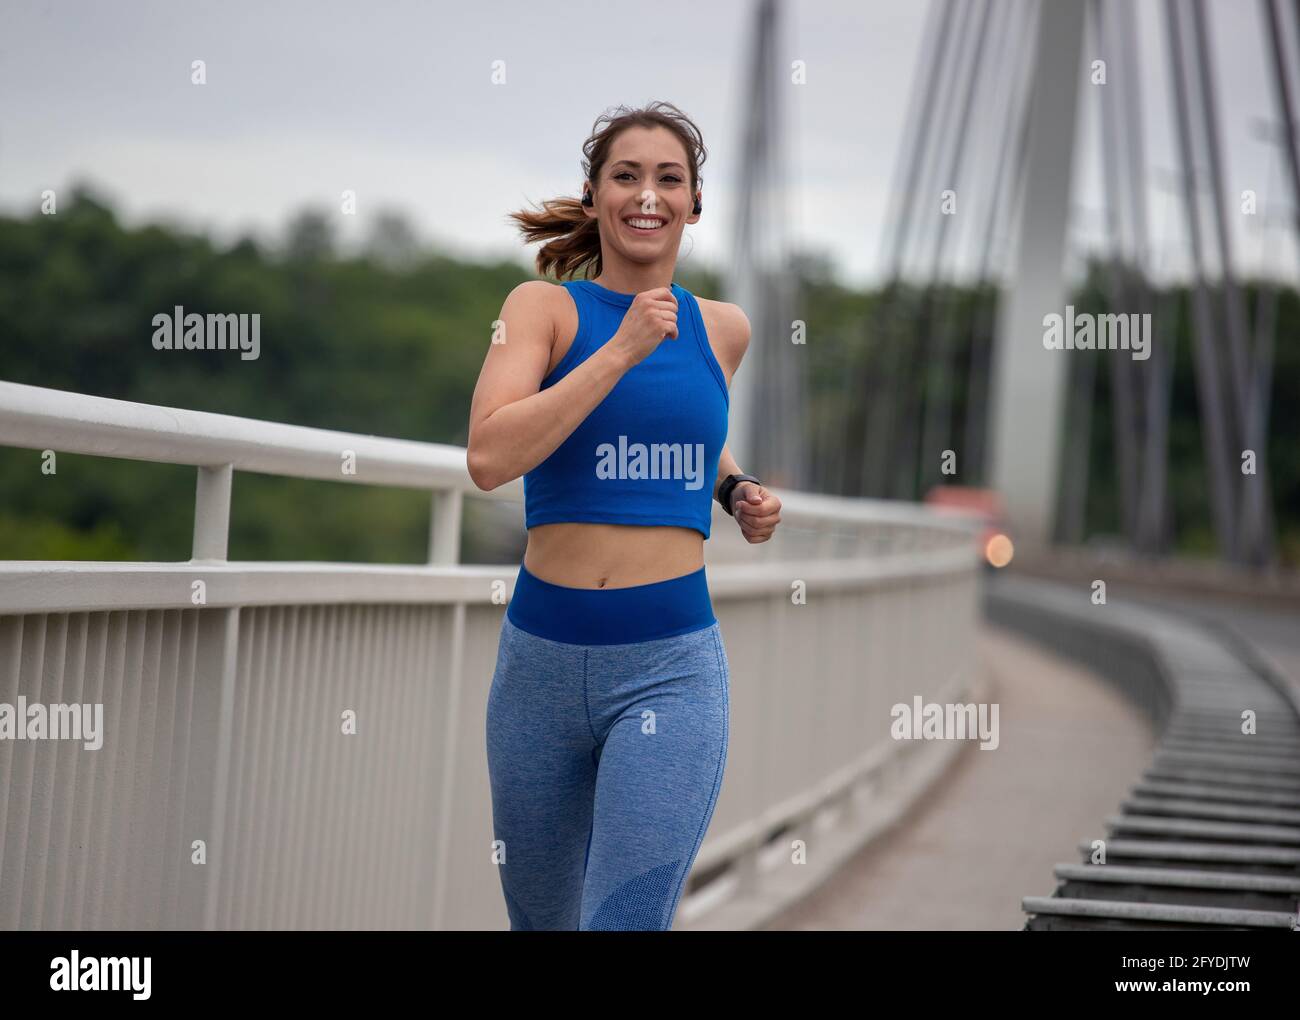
(583, 555)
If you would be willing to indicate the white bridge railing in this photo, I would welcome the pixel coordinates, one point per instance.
(301, 745)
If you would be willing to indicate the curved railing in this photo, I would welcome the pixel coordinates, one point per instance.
(299, 745)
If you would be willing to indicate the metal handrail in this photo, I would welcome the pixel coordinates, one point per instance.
(37, 417)
(34, 417)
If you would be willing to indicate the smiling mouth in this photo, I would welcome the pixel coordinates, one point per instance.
(645, 224)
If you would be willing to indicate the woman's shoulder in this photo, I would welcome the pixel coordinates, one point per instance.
(546, 303)
(541, 297)
(727, 325)
(536, 292)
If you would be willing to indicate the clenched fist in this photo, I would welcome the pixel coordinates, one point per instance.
(650, 319)
(756, 510)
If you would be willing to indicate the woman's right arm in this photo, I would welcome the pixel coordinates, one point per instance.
(513, 425)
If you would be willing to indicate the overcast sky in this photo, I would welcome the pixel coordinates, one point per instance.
(395, 100)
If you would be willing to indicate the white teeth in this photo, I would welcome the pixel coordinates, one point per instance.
(645, 224)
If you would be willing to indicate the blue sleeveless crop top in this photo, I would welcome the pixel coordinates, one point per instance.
(648, 453)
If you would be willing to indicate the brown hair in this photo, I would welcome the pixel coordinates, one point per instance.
(574, 239)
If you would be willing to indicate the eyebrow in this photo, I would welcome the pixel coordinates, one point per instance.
(632, 162)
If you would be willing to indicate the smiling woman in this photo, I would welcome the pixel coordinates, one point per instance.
(610, 397)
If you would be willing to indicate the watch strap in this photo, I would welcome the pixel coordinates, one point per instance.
(728, 486)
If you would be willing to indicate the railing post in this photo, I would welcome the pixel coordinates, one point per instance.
(444, 526)
(212, 718)
(444, 548)
(212, 512)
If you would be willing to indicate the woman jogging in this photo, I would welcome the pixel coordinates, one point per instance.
(607, 717)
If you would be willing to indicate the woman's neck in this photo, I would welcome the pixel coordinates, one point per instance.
(634, 280)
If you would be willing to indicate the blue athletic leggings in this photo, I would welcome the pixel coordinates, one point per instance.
(606, 743)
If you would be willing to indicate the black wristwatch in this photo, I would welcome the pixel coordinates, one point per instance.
(728, 486)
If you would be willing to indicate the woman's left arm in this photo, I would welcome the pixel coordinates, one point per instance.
(756, 510)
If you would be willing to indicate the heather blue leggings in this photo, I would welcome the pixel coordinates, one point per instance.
(605, 756)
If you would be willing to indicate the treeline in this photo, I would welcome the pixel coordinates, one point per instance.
(389, 342)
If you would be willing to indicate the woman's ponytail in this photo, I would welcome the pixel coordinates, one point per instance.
(572, 238)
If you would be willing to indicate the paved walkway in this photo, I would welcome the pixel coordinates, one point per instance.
(990, 830)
